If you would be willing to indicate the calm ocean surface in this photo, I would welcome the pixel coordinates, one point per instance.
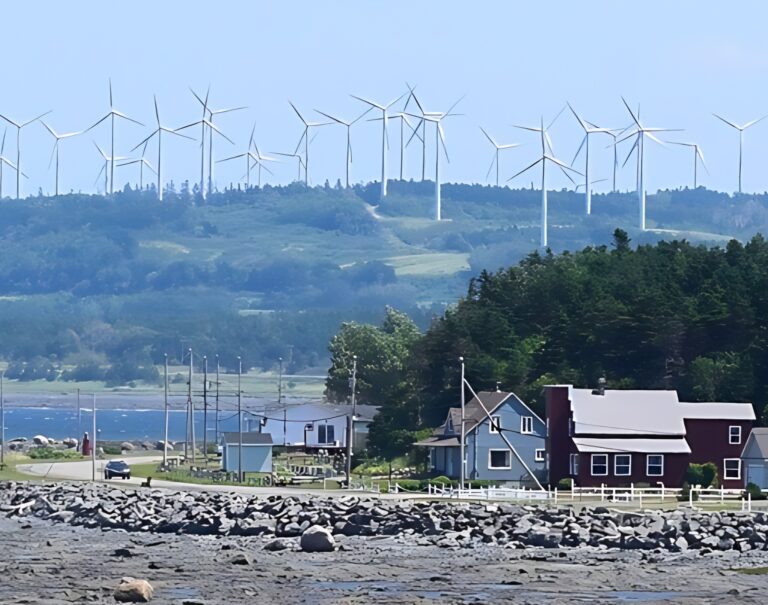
(122, 425)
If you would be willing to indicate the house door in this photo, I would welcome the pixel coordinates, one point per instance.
(756, 474)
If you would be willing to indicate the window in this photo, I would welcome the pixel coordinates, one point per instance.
(654, 465)
(539, 457)
(526, 425)
(325, 433)
(622, 465)
(599, 465)
(574, 464)
(734, 435)
(499, 459)
(732, 468)
(495, 424)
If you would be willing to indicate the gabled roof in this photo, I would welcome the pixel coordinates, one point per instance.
(718, 411)
(619, 412)
(641, 446)
(474, 412)
(249, 438)
(758, 442)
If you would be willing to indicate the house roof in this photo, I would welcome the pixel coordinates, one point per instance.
(435, 441)
(620, 412)
(474, 414)
(718, 411)
(641, 446)
(249, 438)
(758, 441)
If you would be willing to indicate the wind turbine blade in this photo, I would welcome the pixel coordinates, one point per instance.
(157, 112)
(233, 157)
(578, 119)
(49, 129)
(634, 146)
(96, 124)
(104, 155)
(753, 122)
(442, 141)
(562, 169)
(203, 103)
(10, 121)
(413, 134)
(53, 152)
(722, 119)
(629, 136)
(298, 114)
(120, 114)
(391, 103)
(563, 165)
(459, 100)
(330, 117)
(250, 141)
(362, 115)
(629, 109)
(227, 110)
(541, 159)
(178, 134)
(559, 113)
(493, 161)
(182, 127)
(2, 146)
(509, 146)
(267, 169)
(655, 139)
(213, 127)
(487, 136)
(110, 93)
(527, 128)
(371, 103)
(298, 145)
(578, 151)
(145, 141)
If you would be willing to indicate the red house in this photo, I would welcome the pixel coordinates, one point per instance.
(616, 437)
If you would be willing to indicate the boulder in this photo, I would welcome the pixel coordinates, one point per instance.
(127, 446)
(71, 442)
(41, 440)
(131, 590)
(317, 539)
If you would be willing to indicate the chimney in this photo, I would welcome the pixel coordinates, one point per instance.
(600, 390)
(498, 387)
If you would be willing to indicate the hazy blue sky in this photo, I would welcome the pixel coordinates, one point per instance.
(679, 60)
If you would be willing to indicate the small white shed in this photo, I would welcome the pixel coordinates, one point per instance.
(257, 452)
(754, 458)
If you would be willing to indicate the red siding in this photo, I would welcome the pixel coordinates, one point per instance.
(558, 443)
(709, 443)
(674, 470)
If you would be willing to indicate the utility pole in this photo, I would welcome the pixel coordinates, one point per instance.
(93, 441)
(351, 421)
(280, 401)
(205, 409)
(217, 398)
(2, 420)
(191, 410)
(462, 455)
(239, 422)
(79, 427)
(165, 405)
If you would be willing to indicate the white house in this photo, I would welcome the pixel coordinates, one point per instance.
(754, 458)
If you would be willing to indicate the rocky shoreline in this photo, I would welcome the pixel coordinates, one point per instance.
(444, 524)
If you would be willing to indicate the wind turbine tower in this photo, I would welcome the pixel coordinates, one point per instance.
(19, 126)
(348, 125)
(4, 161)
(741, 130)
(498, 147)
(59, 138)
(305, 138)
(589, 129)
(547, 155)
(113, 113)
(384, 138)
(639, 135)
(697, 155)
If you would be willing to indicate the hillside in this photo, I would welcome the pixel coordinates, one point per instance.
(88, 281)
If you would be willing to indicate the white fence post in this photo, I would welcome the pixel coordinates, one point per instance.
(602, 492)
(722, 494)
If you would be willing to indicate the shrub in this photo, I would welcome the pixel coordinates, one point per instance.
(565, 484)
(441, 479)
(49, 453)
(686, 495)
(755, 492)
(112, 450)
(704, 475)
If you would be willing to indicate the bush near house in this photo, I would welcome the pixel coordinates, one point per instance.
(49, 453)
(755, 492)
(704, 475)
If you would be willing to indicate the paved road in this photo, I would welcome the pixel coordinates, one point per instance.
(82, 471)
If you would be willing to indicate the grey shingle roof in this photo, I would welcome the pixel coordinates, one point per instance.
(249, 438)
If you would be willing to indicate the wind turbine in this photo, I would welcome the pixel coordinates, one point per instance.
(108, 161)
(639, 134)
(547, 155)
(348, 125)
(423, 124)
(113, 113)
(403, 122)
(55, 150)
(384, 139)
(211, 113)
(260, 159)
(436, 117)
(142, 161)
(589, 129)
(19, 126)
(498, 147)
(305, 138)
(697, 155)
(5, 161)
(741, 130)
(293, 155)
(203, 123)
(159, 132)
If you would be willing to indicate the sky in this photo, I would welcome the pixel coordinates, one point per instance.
(515, 62)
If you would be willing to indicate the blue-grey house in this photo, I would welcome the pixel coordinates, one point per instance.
(497, 451)
(257, 452)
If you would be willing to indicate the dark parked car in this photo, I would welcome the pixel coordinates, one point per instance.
(117, 468)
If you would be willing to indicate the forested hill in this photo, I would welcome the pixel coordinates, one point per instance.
(669, 315)
(87, 282)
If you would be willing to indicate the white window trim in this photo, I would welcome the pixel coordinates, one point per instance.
(574, 464)
(540, 454)
(526, 420)
(725, 469)
(731, 435)
(592, 465)
(493, 424)
(616, 465)
(499, 468)
(648, 466)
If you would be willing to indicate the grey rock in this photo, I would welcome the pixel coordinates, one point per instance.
(317, 539)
